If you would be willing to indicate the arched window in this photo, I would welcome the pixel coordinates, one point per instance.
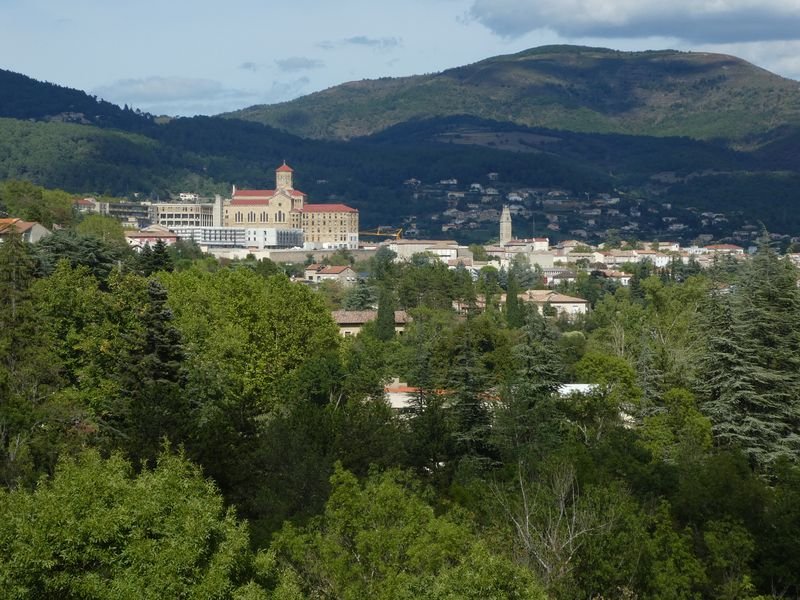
(251, 217)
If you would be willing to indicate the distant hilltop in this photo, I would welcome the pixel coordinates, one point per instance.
(595, 90)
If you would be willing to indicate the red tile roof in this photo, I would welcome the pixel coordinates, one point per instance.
(18, 224)
(248, 193)
(151, 234)
(334, 270)
(259, 197)
(320, 208)
(284, 168)
(263, 193)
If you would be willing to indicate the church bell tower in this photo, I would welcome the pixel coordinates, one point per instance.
(283, 177)
(505, 226)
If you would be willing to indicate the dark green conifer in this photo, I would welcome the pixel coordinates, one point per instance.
(385, 319)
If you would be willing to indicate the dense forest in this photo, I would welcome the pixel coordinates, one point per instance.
(174, 426)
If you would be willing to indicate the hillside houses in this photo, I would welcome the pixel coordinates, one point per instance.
(467, 210)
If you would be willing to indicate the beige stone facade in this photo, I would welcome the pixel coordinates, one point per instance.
(330, 225)
(323, 225)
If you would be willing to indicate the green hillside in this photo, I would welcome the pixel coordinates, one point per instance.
(66, 139)
(22, 97)
(659, 93)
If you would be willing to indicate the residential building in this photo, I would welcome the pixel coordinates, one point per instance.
(317, 273)
(445, 250)
(31, 231)
(725, 249)
(554, 276)
(85, 205)
(618, 276)
(568, 306)
(149, 236)
(351, 322)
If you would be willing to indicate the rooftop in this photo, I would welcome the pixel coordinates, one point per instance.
(18, 224)
(360, 317)
(321, 208)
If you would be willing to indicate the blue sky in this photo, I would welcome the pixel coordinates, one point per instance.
(184, 57)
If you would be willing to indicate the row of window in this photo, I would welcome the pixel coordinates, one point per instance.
(280, 217)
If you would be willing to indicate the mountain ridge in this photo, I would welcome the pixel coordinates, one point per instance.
(592, 90)
(64, 138)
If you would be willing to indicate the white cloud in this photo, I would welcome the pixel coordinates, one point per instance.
(299, 63)
(712, 21)
(778, 57)
(175, 95)
(376, 43)
(384, 43)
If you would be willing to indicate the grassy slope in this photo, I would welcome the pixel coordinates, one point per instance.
(564, 87)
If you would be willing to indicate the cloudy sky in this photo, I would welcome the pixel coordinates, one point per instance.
(185, 57)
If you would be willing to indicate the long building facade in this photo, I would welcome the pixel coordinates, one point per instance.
(187, 214)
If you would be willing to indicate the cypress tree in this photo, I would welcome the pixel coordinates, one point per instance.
(513, 308)
(385, 319)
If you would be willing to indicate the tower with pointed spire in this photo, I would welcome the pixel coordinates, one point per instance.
(283, 177)
(505, 226)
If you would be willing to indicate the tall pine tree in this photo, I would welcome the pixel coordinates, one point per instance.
(750, 369)
(525, 419)
(152, 376)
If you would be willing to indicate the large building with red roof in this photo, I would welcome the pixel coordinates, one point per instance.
(323, 225)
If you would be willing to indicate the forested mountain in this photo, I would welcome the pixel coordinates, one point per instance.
(663, 93)
(22, 97)
(66, 139)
